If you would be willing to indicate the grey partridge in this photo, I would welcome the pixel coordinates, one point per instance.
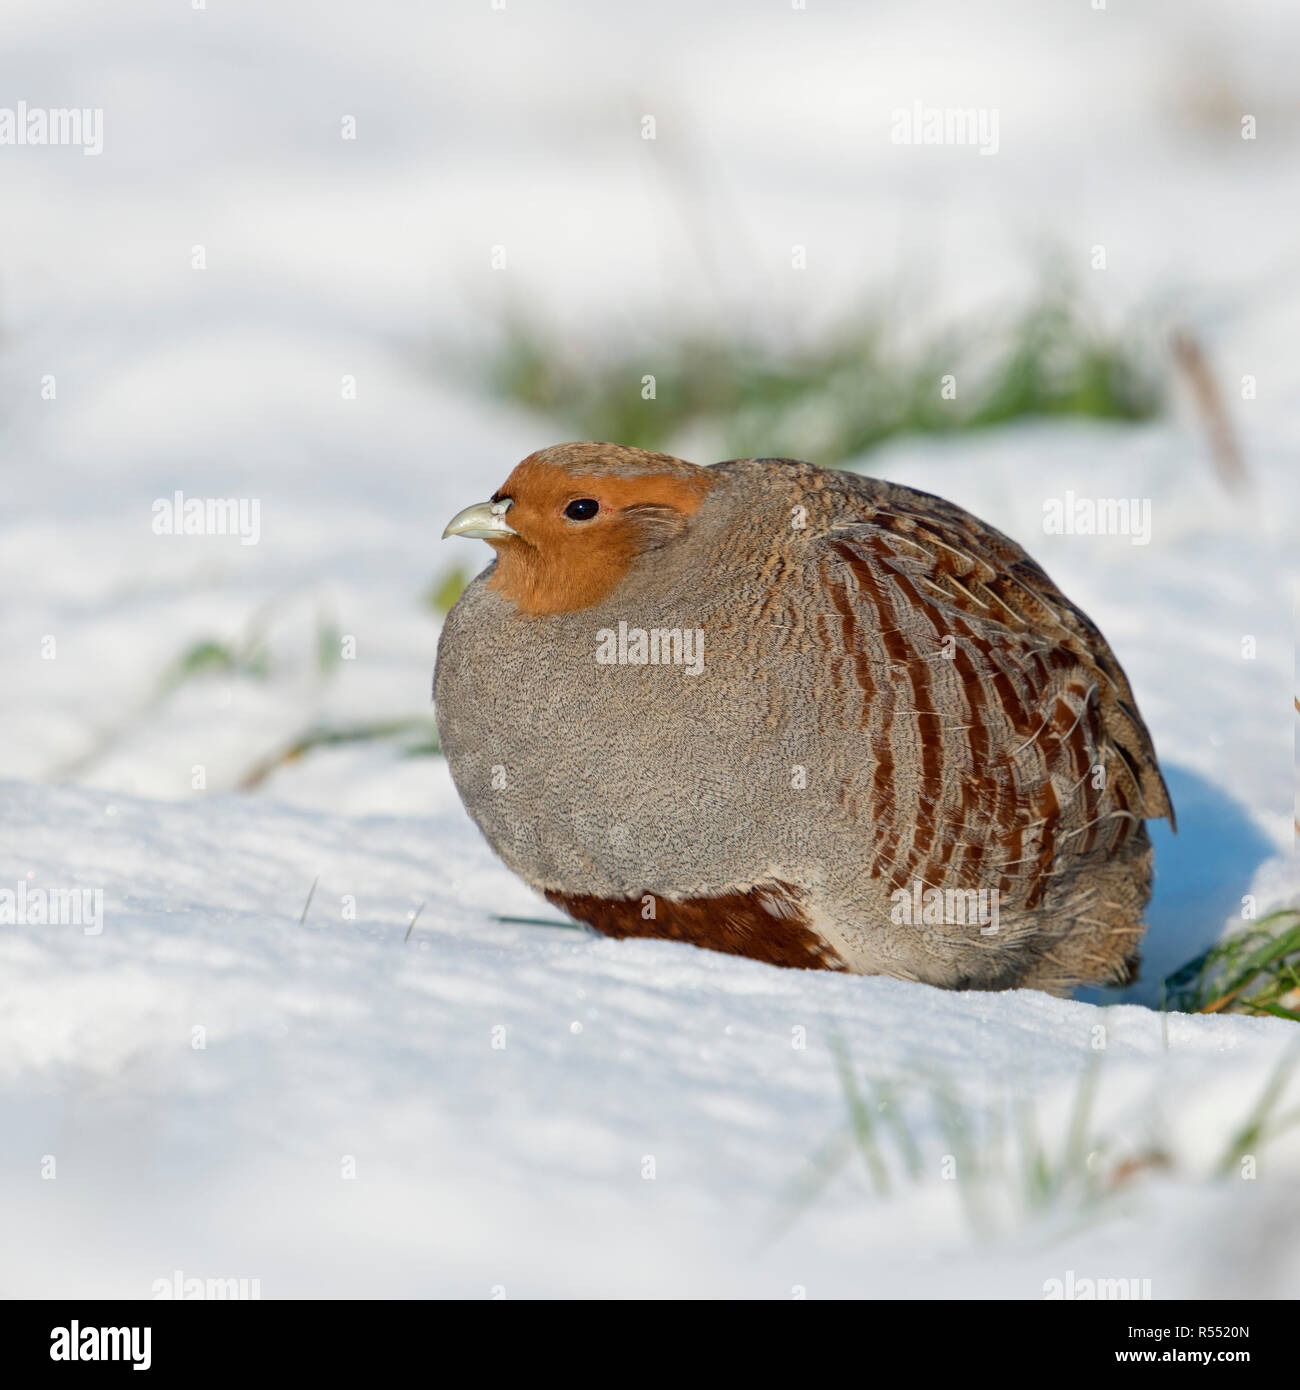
(800, 715)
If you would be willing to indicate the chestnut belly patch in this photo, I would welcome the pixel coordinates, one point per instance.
(766, 923)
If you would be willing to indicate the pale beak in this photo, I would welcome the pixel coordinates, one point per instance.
(484, 521)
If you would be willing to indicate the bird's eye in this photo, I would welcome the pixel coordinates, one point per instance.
(583, 509)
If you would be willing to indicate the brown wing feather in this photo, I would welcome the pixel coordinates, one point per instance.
(1005, 699)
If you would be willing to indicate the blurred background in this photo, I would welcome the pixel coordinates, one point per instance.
(350, 262)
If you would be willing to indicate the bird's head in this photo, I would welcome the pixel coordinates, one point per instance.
(572, 520)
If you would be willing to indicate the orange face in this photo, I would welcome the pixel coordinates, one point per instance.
(576, 533)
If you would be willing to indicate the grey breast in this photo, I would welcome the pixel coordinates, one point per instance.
(606, 777)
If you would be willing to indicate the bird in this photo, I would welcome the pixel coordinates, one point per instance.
(797, 714)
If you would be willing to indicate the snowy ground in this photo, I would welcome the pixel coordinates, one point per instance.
(499, 1088)
(523, 1165)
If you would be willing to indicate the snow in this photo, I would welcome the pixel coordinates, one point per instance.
(520, 1165)
(500, 1091)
